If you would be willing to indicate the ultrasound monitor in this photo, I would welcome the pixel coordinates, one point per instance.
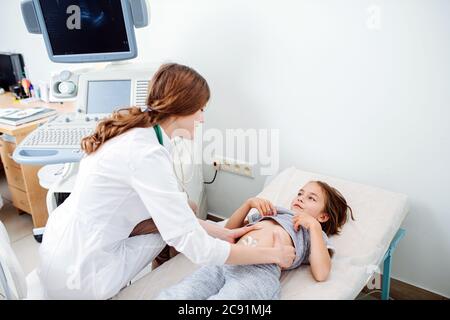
(105, 91)
(106, 96)
(86, 30)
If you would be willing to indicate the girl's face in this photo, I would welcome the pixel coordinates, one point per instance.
(186, 125)
(311, 200)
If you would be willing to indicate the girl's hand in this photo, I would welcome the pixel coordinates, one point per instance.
(304, 220)
(235, 234)
(285, 254)
(265, 207)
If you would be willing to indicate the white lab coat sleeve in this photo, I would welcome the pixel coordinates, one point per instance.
(153, 179)
(199, 247)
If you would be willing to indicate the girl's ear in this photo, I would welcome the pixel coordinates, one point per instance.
(323, 217)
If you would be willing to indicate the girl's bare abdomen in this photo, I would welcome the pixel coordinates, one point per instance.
(264, 236)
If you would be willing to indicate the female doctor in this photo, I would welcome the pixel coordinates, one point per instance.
(126, 178)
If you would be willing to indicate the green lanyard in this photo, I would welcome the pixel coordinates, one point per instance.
(157, 129)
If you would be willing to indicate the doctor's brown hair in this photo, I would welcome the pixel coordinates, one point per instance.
(337, 208)
(175, 90)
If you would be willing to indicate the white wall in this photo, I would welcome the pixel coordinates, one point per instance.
(372, 106)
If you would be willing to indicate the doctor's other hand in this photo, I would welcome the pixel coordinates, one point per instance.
(286, 254)
(144, 227)
(233, 235)
(265, 207)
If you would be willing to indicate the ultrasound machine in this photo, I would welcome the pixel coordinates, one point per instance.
(80, 31)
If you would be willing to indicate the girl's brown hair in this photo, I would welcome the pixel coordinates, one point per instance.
(337, 208)
(175, 90)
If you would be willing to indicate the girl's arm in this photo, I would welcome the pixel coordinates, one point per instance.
(237, 218)
(265, 208)
(319, 258)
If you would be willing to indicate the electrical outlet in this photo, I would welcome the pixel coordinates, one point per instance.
(234, 166)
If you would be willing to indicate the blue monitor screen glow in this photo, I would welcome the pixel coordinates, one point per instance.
(87, 30)
(101, 27)
(106, 96)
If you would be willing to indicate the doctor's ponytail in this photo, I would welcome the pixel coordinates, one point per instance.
(175, 91)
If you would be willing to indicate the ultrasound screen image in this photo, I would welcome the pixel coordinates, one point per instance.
(98, 28)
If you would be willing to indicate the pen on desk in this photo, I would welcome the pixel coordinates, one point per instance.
(32, 92)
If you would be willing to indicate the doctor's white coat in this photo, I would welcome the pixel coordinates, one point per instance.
(86, 252)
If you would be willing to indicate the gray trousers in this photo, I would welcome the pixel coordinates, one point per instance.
(249, 282)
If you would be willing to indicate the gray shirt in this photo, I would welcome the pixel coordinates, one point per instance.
(301, 239)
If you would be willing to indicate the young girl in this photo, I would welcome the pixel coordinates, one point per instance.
(317, 211)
